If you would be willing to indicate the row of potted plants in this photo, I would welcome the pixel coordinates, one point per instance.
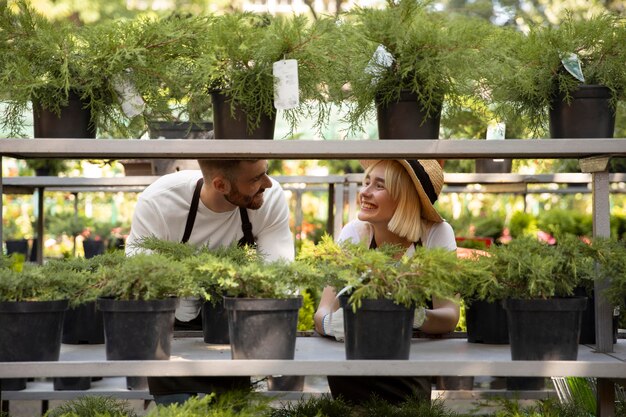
(147, 285)
(405, 57)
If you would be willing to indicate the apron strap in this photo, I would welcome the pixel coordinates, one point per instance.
(246, 226)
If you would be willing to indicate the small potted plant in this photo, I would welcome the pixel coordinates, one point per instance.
(236, 67)
(537, 283)
(33, 301)
(569, 75)
(102, 76)
(406, 61)
(138, 300)
(383, 289)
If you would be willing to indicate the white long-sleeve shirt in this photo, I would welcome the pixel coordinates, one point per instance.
(162, 211)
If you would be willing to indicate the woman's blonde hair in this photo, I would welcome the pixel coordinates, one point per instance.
(406, 221)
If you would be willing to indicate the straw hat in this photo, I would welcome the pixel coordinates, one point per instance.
(427, 176)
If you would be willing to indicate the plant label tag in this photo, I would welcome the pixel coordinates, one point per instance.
(572, 64)
(130, 99)
(495, 131)
(286, 90)
(378, 63)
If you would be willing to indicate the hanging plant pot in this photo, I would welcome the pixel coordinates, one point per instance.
(138, 330)
(93, 247)
(215, 323)
(588, 114)
(543, 330)
(233, 125)
(486, 322)
(262, 328)
(177, 130)
(406, 119)
(30, 331)
(74, 121)
(379, 329)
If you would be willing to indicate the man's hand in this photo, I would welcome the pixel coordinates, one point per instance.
(188, 308)
(333, 324)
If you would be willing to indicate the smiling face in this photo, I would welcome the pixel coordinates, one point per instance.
(248, 185)
(377, 205)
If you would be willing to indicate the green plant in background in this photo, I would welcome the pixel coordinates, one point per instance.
(91, 406)
(530, 73)
(66, 223)
(307, 311)
(611, 256)
(559, 221)
(522, 224)
(431, 54)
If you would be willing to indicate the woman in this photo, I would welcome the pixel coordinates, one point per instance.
(396, 202)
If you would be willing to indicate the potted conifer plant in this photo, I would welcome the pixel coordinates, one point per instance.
(383, 290)
(537, 283)
(570, 75)
(138, 300)
(236, 67)
(406, 61)
(33, 301)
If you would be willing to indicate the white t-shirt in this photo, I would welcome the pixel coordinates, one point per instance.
(434, 235)
(163, 207)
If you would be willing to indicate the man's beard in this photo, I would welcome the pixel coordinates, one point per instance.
(253, 202)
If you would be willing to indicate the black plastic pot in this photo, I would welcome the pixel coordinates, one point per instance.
(455, 383)
(543, 330)
(138, 330)
(494, 166)
(285, 383)
(233, 125)
(83, 325)
(74, 121)
(486, 323)
(379, 329)
(587, 115)
(17, 246)
(262, 328)
(215, 323)
(406, 119)
(30, 331)
(588, 319)
(93, 247)
(177, 130)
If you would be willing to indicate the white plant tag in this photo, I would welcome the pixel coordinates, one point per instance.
(378, 62)
(286, 89)
(130, 99)
(572, 64)
(496, 131)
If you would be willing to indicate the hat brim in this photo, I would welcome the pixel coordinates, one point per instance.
(428, 211)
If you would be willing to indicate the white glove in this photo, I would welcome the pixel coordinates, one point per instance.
(332, 325)
(419, 318)
(188, 308)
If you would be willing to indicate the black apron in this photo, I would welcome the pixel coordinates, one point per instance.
(203, 384)
(394, 389)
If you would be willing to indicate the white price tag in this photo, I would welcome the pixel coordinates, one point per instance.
(496, 131)
(286, 89)
(129, 97)
(572, 64)
(380, 60)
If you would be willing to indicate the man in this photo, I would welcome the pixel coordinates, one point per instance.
(229, 201)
